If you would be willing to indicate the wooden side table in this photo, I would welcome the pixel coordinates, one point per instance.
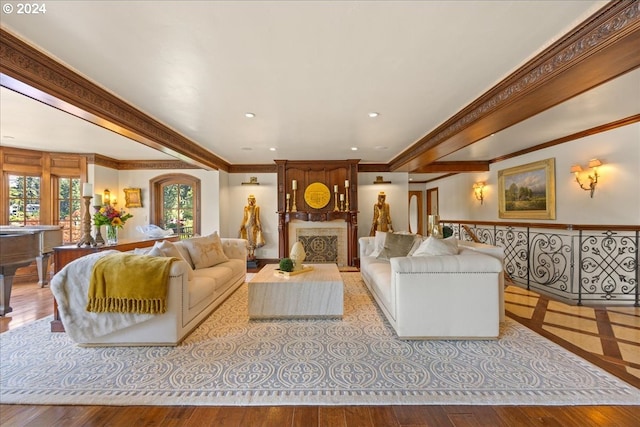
(63, 255)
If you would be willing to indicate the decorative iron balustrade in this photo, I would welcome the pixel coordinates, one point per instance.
(576, 263)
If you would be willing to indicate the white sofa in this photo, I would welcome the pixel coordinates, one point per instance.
(438, 297)
(192, 295)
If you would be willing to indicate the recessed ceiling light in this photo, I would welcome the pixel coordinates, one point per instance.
(373, 114)
(354, 148)
(381, 147)
(249, 115)
(272, 149)
(247, 148)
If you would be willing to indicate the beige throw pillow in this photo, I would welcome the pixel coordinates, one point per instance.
(432, 246)
(184, 252)
(168, 249)
(206, 251)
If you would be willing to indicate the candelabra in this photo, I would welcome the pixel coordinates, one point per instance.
(342, 205)
(293, 207)
(287, 207)
(335, 199)
(87, 238)
(346, 202)
(99, 238)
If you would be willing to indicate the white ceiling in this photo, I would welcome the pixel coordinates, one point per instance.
(310, 71)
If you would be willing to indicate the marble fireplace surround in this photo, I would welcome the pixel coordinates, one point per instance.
(341, 224)
(336, 228)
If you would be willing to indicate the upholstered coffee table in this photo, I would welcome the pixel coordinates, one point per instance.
(316, 293)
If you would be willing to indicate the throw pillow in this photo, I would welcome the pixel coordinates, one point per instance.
(434, 246)
(416, 244)
(168, 249)
(206, 251)
(397, 245)
(154, 252)
(141, 251)
(184, 252)
(378, 243)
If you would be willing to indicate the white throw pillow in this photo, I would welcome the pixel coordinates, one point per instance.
(416, 244)
(378, 243)
(154, 252)
(141, 251)
(206, 251)
(434, 246)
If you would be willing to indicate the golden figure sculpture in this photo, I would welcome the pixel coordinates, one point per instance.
(381, 216)
(251, 228)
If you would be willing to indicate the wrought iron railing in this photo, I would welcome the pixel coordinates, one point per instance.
(594, 264)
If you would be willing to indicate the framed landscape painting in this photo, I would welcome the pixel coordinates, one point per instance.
(528, 191)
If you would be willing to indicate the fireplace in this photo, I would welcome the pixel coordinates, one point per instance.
(322, 241)
(340, 225)
(330, 226)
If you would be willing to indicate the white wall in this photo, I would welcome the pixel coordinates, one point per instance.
(266, 198)
(616, 200)
(116, 181)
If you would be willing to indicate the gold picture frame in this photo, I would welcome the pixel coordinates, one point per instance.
(132, 198)
(528, 191)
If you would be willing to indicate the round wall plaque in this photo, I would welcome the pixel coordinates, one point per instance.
(317, 195)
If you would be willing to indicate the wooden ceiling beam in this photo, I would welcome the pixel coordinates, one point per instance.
(30, 72)
(602, 48)
(438, 167)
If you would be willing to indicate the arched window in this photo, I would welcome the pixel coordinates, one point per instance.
(175, 203)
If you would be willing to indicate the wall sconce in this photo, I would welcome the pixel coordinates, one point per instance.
(106, 197)
(593, 179)
(477, 190)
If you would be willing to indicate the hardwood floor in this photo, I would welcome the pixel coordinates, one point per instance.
(617, 330)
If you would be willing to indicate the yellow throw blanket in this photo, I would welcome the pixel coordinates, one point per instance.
(128, 283)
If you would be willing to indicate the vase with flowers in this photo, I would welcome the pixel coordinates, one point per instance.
(113, 219)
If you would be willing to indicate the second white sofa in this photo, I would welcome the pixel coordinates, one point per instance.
(438, 297)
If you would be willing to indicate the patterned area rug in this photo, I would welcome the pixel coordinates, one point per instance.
(357, 360)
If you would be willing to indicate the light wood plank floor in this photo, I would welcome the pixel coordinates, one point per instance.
(609, 338)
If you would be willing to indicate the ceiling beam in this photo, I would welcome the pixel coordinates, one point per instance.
(30, 72)
(602, 48)
(471, 166)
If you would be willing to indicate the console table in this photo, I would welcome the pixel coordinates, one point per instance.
(63, 255)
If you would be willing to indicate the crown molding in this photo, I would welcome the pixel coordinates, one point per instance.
(108, 162)
(466, 166)
(600, 49)
(582, 134)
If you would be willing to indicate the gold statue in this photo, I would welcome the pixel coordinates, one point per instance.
(381, 216)
(251, 227)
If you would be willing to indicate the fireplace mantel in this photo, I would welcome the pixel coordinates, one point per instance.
(342, 174)
(351, 218)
